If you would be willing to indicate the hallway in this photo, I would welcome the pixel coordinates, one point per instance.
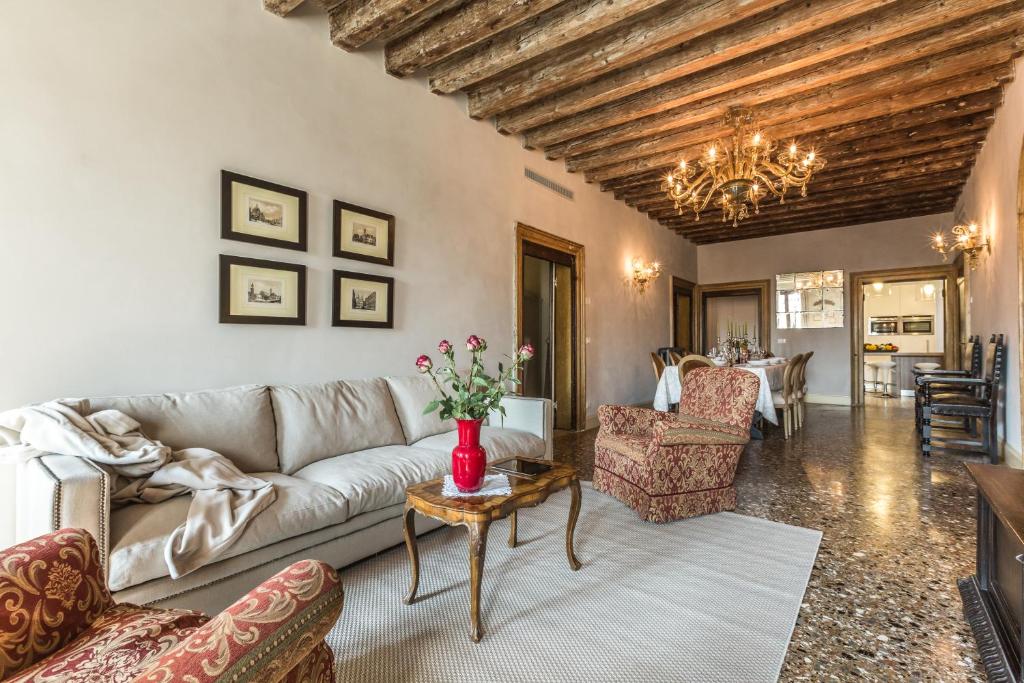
(882, 603)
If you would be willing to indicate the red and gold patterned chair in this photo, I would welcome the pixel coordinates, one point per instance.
(668, 466)
(58, 622)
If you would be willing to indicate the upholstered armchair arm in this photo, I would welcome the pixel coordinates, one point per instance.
(62, 491)
(682, 430)
(263, 635)
(51, 588)
(626, 420)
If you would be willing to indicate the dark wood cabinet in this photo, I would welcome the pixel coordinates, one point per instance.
(994, 596)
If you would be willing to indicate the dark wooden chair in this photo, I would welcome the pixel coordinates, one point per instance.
(971, 367)
(980, 405)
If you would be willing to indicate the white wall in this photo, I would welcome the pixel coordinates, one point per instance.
(990, 199)
(890, 244)
(117, 119)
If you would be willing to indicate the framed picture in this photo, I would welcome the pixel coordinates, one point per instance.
(363, 234)
(259, 292)
(362, 300)
(258, 211)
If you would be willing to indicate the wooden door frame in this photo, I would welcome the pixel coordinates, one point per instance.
(1020, 275)
(760, 288)
(681, 283)
(526, 233)
(951, 308)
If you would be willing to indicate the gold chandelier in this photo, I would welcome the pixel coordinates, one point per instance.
(739, 173)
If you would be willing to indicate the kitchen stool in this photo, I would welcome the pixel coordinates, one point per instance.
(927, 367)
(883, 374)
(874, 377)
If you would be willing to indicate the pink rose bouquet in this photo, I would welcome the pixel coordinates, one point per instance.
(474, 395)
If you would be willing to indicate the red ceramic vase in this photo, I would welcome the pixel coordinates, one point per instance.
(469, 459)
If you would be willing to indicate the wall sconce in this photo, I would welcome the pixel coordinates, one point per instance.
(966, 238)
(643, 273)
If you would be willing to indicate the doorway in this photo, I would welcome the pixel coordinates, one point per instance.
(682, 314)
(912, 310)
(732, 305)
(549, 293)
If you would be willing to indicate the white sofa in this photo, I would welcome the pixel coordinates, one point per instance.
(340, 455)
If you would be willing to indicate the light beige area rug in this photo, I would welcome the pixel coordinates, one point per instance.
(707, 599)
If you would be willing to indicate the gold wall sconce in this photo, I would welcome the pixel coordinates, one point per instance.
(968, 239)
(643, 273)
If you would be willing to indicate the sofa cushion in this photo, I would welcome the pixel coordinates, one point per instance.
(500, 443)
(411, 395)
(237, 422)
(318, 421)
(374, 479)
(138, 533)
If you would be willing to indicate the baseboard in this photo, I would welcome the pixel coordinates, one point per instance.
(1012, 457)
(828, 399)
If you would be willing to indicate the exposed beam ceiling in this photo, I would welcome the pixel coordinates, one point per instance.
(898, 95)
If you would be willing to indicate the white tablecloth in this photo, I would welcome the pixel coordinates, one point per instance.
(669, 389)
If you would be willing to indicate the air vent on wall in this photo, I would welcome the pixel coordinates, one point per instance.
(548, 183)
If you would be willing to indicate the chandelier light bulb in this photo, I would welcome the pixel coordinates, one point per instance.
(757, 138)
(712, 152)
(682, 164)
(792, 148)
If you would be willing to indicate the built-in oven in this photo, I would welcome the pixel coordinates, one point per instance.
(918, 324)
(883, 325)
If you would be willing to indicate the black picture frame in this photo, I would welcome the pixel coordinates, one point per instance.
(227, 230)
(336, 319)
(337, 249)
(226, 261)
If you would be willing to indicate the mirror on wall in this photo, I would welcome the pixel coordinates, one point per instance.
(809, 300)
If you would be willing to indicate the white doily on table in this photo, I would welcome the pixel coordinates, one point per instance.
(494, 485)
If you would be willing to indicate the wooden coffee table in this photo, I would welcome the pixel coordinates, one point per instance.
(476, 514)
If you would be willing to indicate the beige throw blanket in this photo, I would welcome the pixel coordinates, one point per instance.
(224, 499)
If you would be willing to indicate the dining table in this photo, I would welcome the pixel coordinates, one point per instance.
(670, 388)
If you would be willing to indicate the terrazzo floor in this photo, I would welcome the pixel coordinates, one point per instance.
(882, 603)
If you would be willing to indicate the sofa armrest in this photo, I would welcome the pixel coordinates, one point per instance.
(53, 588)
(629, 420)
(269, 630)
(533, 415)
(60, 491)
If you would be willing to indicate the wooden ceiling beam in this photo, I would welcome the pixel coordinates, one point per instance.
(875, 87)
(798, 122)
(797, 213)
(710, 63)
(354, 23)
(930, 205)
(700, 33)
(839, 195)
(555, 29)
(843, 222)
(457, 30)
(866, 182)
(281, 8)
(684, 102)
(847, 158)
(966, 112)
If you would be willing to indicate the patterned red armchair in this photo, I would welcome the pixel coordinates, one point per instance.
(668, 466)
(58, 622)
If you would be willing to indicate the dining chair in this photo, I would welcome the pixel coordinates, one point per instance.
(801, 389)
(675, 357)
(785, 400)
(659, 366)
(692, 362)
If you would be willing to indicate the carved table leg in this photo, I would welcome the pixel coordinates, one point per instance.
(414, 554)
(570, 529)
(512, 538)
(477, 552)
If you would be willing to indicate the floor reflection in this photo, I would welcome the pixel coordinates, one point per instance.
(898, 531)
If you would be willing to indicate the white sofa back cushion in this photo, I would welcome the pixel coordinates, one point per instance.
(237, 422)
(412, 394)
(318, 421)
